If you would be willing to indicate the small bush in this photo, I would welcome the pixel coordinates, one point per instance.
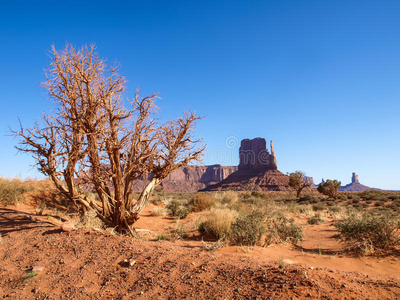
(177, 209)
(159, 211)
(161, 237)
(369, 234)
(335, 209)
(319, 206)
(315, 220)
(228, 197)
(11, 190)
(202, 202)
(282, 230)
(219, 223)
(248, 229)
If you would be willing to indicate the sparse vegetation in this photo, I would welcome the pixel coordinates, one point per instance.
(219, 223)
(315, 220)
(202, 201)
(281, 263)
(177, 209)
(161, 237)
(29, 275)
(248, 228)
(11, 190)
(283, 230)
(368, 234)
(159, 211)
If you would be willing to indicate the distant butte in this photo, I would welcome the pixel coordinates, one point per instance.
(355, 185)
(257, 170)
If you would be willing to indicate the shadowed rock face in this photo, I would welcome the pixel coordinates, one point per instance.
(254, 155)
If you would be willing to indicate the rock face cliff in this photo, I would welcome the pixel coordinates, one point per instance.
(355, 185)
(190, 178)
(257, 170)
(254, 156)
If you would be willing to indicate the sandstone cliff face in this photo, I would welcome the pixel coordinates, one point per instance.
(254, 155)
(257, 170)
(190, 178)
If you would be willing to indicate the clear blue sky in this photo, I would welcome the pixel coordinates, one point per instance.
(319, 78)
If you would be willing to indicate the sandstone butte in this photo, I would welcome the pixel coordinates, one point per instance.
(257, 171)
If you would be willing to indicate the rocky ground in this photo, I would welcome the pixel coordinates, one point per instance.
(40, 261)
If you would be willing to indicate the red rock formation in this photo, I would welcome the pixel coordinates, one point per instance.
(190, 178)
(257, 170)
(355, 185)
(254, 155)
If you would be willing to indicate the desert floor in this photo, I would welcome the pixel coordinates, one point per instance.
(94, 264)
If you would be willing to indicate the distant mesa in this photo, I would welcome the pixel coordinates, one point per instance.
(355, 185)
(257, 170)
(189, 178)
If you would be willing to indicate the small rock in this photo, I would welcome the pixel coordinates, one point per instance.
(311, 268)
(37, 269)
(287, 261)
(132, 262)
(67, 226)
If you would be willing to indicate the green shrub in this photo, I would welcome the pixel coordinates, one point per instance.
(11, 190)
(161, 237)
(219, 223)
(335, 209)
(373, 195)
(202, 202)
(369, 234)
(310, 199)
(282, 230)
(379, 203)
(177, 209)
(249, 228)
(319, 206)
(315, 220)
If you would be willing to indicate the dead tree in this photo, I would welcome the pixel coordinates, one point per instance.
(93, 138)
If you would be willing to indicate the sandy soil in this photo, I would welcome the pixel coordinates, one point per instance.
(89, 264)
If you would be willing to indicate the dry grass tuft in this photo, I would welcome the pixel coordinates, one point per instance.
(91, 220)
(202, 202)
(159, 211)
(219, 223)
(11, 190)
